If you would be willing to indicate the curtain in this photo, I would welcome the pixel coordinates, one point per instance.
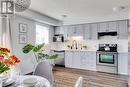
(5, 32)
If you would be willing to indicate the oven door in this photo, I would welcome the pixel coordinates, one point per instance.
(107, 58)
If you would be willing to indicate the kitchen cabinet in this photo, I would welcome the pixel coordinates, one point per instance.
(123, 63)
(71, 31)
(90, 31)
(80, 60)
(59, 30)
(112, 26)
(94, 31)
(88, 60)
(87, 32)
(108, 26)
(103, 27)
(123, 29)
(76, 59)
(79, 30)
(68, 59)
(75, 30)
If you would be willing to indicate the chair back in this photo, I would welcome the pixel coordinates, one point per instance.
(44, 69)
(79, 82)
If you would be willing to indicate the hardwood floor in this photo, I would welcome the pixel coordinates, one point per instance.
(65, 77)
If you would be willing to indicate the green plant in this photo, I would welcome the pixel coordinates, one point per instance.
(85, 47)
(36, 50)
(4, 67)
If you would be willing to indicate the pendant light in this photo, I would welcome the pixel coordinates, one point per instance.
(21, 5)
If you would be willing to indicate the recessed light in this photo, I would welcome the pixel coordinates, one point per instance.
(63, 16)
(119, 8)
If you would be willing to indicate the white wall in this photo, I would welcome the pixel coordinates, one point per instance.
(26, 64)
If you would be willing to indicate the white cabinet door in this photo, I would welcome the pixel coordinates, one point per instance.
(112, 26)
(76, 59)
(65, 28)
(88, 60)
(79, 30)
(123, 29)
(84, 60)
(92, 60)
(59, 30)
(94, 31)
(87, 32)
(68, 59)
(103, 27)
(123, 63)
(71, 30)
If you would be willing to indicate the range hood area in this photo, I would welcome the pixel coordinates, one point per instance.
(101, 34)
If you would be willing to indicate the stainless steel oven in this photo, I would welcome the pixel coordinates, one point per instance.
(107, 58)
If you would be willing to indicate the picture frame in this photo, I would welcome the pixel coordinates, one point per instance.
(23, 28)
(22, 38)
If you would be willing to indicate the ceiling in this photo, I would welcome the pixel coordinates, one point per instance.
(76, 9)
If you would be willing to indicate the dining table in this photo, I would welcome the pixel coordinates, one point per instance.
(17, 81)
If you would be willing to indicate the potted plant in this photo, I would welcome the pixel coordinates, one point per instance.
(7, 61)
(37, 50)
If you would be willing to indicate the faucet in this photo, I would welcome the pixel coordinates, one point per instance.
(74, 44)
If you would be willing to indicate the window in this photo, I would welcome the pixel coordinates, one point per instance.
(42, 34)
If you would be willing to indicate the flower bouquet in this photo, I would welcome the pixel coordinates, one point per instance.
(7, 61)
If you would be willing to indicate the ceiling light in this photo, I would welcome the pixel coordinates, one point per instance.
(21, 5)
(116, 9)
(63, 16)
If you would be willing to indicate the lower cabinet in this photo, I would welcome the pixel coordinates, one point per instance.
(80, 60)
(123, 63)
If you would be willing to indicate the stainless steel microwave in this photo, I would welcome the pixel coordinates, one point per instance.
(58, 38)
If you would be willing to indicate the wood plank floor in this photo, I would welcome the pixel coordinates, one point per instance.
(65, 77)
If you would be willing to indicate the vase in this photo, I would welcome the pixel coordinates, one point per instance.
(5, 76)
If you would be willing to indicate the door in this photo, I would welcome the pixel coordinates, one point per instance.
(59, 30)
(79, 30)
(87, 32)
(112, 26)
(76, 59)
(123, 29)
(103, 27)
(68, 59)
(71, 31)
(94, 31)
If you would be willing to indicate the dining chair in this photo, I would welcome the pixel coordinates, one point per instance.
(44, 69)
(79, 82)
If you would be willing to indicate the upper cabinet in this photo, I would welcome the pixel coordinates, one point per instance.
(94, 31)
(87, 32)
(90, 31)
(108, 27)
(79, 30)
(103, 27)
(112, 26)
(123, 29)
(59, 30)
(75, 30)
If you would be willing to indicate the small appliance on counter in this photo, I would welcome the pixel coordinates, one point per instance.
(58, 38)
(107, 58)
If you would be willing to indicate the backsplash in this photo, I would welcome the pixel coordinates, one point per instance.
(93, 44)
